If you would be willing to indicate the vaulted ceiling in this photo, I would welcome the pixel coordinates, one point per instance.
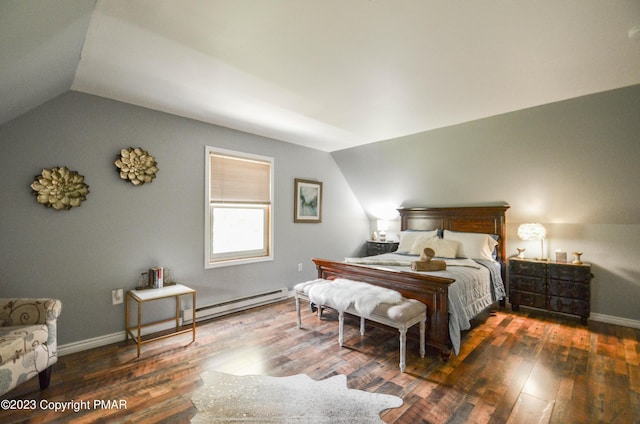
(328, 74)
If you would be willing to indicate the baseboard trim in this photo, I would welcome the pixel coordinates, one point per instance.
(624, 322)
(87, 344)
(109, 339)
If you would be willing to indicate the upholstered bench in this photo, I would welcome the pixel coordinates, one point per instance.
(401, 315)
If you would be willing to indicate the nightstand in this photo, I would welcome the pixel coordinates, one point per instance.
(378, 247)
(554, 286)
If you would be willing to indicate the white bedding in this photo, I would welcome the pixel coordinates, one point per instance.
(478, 285)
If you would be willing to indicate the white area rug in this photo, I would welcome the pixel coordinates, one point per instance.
(226, 398)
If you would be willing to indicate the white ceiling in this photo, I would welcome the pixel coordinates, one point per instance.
(333, 74)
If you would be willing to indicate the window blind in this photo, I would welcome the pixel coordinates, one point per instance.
(239, 180)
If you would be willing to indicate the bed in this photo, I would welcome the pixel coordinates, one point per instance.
(437, 290)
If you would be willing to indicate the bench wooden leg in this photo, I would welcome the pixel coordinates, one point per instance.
(340, 328)
(298, 312)
(423, 326)
(403, 347)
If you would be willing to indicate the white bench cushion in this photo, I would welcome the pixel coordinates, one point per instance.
(402, 312)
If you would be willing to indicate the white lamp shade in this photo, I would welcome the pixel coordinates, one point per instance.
(532, 232)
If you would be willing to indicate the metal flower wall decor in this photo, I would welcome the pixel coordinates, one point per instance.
(136, 165)
(59, 188)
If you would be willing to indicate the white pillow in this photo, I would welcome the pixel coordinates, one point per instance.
(473, 245)
(407, 238)
(442, 248)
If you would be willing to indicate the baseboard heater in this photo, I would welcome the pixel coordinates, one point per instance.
(235, 305)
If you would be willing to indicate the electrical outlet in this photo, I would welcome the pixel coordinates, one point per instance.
(116, 297)
(300, 267)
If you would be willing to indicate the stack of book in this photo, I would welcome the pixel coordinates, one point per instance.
(156, 277)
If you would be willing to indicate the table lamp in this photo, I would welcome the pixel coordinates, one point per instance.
(533, 232)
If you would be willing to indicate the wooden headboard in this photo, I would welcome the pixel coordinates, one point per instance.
(473, 219)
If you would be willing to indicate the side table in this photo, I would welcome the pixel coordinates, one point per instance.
(146, 295)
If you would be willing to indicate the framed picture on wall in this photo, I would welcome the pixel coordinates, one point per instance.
(307, 201)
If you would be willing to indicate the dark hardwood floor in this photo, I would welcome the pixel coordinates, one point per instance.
(514, 367)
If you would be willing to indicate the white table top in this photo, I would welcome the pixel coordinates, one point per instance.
(167, 291)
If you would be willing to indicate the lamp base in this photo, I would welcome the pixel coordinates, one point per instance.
(542, 251)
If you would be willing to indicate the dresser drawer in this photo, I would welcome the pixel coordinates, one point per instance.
(535, 300)
(569, 272)
(528, 268)
(569, 306)
(575, 290)
(527, 283)
(376, 248)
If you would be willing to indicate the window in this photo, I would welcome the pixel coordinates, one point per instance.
(238, 208)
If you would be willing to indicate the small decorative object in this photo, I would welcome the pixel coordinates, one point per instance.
(136, 165)
(143, 281)
(533, 232)
(521, 252)
(59, 188)
(561, 256)
(576, 258)
(307, 201)
(168, 277)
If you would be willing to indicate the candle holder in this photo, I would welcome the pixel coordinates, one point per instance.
(576, 258)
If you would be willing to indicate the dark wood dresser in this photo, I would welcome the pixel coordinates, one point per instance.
(554, 286)
(379, 247)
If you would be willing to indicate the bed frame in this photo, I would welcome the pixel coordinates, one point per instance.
(431, 290)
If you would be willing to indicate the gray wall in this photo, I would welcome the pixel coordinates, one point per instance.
(572, 166)
(82, 254)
